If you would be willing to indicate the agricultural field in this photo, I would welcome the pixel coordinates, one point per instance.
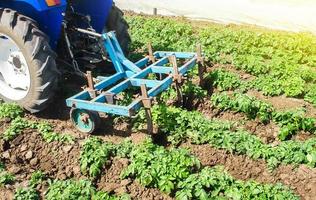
(247, 133)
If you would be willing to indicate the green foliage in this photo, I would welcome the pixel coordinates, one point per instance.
(77, 190)
(224, 80)
(70, 190)
(26, 194)
(16, 128)
(48, 134)
(36, 178)
(94, 155)
(9, 110)
(180, 125)
(105, 196)
(311, 95)
(5, 177)
(155, 166)
(123, 149)
(215, 183)
(191, 125)
(283, 61)
(251, 106)
(290, 121)
(293, 121)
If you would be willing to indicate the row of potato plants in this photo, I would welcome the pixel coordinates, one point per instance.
(290, 121)
(18, 124)
(63, 189)
(181, 125)
(176, 172)
(283, 62)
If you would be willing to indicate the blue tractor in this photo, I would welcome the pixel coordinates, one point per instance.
(79, 34)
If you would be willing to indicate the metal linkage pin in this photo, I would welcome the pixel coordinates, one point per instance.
(147, 105)
(177, 78)
(201, 64)
(90, 87)
(151, 53)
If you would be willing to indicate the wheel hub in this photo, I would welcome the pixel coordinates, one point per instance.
(14, 73)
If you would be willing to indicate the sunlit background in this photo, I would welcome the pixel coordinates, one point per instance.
(293, 15)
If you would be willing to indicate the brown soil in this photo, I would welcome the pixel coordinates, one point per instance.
(302, 179)
(286, 103)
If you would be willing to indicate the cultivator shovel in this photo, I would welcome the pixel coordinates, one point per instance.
(149, 77)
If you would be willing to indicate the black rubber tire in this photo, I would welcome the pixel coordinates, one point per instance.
(39, 57)
(117, 23)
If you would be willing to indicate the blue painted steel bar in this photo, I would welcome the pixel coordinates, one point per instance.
(128, 64)
(109, 81)
(100, 98)
(185, 55)
(102, 107)
(115, 42)
(161, 69)
(148, 83)
(111, 51)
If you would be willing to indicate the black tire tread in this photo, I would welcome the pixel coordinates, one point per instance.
(39, 55)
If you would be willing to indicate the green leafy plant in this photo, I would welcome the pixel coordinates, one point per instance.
(155, 166)
(26, 194)
(74, 190)
(5, 177)
(11, 111)
(214, 182)
(69, 189)
(36, 178)
(252, 107)
(16, 128)
(100, 195)
(224, 80)
(48, 134)
(293, 121)
(94, 155)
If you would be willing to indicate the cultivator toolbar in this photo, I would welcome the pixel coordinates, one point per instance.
(151, 75)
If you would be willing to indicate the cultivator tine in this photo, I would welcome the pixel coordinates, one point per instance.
(90, 88)
(147, 105)
(151, 53)
(177, 78)
(201, 64)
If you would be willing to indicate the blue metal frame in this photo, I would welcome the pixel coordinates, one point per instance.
(129, 74)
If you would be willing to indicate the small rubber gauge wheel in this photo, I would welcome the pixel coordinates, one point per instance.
(84, 120)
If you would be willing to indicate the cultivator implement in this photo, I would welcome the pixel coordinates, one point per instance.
(150, 76)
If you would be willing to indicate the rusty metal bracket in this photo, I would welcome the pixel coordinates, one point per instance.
(147, 105)
(177, 77)
(151, 53)
(110, 97)
(90, 87)
(201, 64)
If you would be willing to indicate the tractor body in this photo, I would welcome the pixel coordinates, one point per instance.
(50, 17)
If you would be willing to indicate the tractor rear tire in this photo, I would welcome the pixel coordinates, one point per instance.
(117, 23)
(39, 57)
